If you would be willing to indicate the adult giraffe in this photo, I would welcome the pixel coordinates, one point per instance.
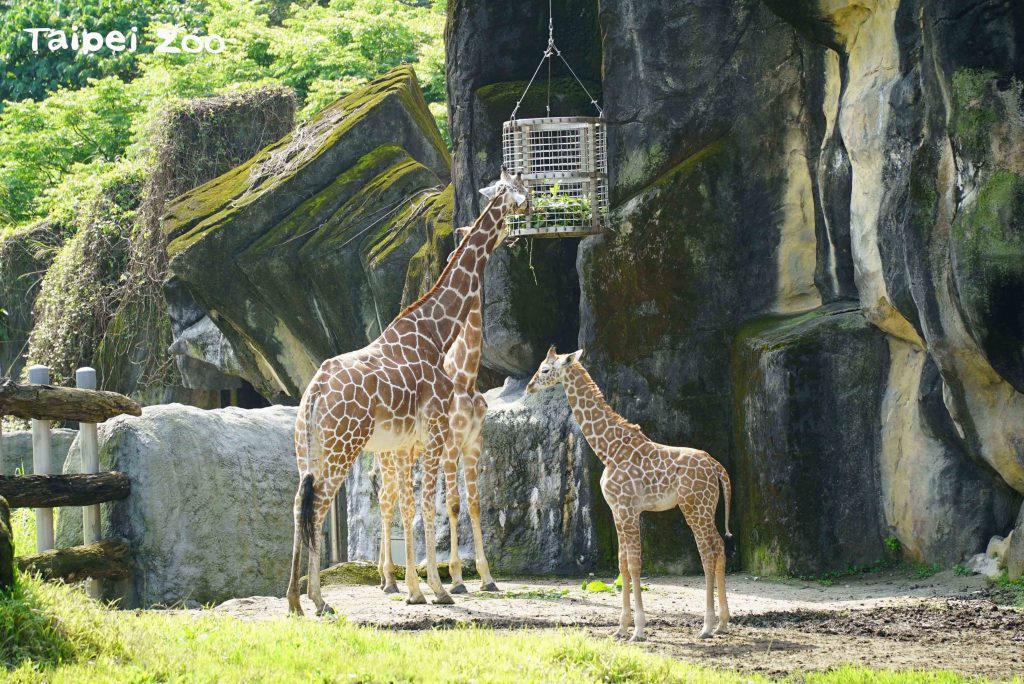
(642, 475)
(467, 411)
(390, 395)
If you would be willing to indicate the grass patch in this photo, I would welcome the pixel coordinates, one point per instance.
(1007, 591)
(543, 594)
(53, 633)
(51, 624)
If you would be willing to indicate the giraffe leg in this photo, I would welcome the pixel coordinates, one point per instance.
(723, 604)
(440, 444)
(632, 543)
(294, 606)
(387, 498)
(313, 586)
(704, 533)
(470, 460)
(451, 490)
(407, 503)
(626, 618)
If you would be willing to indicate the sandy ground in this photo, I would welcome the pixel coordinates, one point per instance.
(889, 620)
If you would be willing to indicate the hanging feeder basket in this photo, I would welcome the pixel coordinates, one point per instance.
(564, 163)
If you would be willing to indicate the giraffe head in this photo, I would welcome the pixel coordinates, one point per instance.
(552, 370)
(514, 197)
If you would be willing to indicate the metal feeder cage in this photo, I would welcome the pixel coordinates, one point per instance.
(564, 165)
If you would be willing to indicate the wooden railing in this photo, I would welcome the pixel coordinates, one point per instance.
(44, 490)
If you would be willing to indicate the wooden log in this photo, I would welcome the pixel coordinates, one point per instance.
(46, 402)
(6, 548)
(51, 491)
(102, 560)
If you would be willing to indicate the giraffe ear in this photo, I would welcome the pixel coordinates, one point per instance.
(575, 356)
(552, 353)
(488, 192)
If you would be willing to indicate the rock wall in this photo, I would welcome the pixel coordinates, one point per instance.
(210, 512)
(16, 456)
(309, 248)
(783, 160)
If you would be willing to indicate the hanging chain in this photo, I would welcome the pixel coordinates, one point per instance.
(553, 51)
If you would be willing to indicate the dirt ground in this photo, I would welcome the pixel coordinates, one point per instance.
(886, 620)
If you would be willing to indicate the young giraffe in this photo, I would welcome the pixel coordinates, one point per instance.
(468, 409)
(390, 395)
(641, 475)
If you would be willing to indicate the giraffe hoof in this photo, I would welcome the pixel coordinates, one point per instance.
(490, 586)
(722, 629)
(459, 589)
(619, 635)
(706, 634)
(417, 600)
(325, 610)
(636, 638)
(443, 600)
(391, 589)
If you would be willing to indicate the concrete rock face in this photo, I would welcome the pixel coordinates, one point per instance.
(782, 160)
(1015, 550)
(210, 512)
(311, 247)
(807, 496)
(17, 450)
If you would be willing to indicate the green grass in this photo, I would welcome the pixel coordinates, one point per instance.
(53, 633)
(1012, 591)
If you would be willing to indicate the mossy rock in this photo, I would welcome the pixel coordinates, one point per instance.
(807, 396)
(302, 252)
(365, 572)
(6, 547)
(24, 252)
(988, 242)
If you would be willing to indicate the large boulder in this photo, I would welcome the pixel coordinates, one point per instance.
(536, 476)
(16, 454)
(807, 399)
(209, 516)
(1015, 550)
(304, 251)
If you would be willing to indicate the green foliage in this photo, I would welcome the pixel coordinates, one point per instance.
(961, 570)
(893, 546)
(322, 51)
(924, 570)
(27, 75)
(76, 301)
(1012, 591)
(45, 625)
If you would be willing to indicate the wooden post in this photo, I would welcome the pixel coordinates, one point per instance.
(40, 375)
(88, 442)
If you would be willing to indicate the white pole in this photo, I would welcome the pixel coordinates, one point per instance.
(40, 375)
(85, 378)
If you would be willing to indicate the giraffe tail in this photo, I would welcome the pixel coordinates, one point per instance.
(307, 493)
(306, 510)
(726, 483)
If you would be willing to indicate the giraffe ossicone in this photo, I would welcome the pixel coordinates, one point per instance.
(391, 395)
(642, 475)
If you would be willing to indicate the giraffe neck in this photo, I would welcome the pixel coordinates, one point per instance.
(441, 312)
(598, 421)
(463, 360)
